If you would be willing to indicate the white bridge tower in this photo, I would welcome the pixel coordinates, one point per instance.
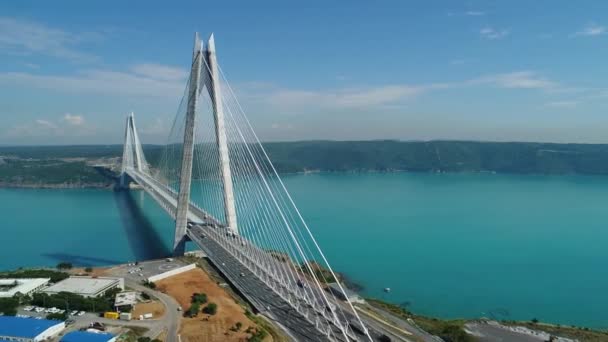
(204, 64)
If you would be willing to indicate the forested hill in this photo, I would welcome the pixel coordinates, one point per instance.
(445, 156)
(431, 156)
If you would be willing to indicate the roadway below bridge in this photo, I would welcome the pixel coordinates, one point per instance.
(266, 300)
(270, 304)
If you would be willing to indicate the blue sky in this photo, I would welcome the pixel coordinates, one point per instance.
(70, 71)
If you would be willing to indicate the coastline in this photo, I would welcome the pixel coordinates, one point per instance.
(110, 184)
(51, 186)
(448, 329)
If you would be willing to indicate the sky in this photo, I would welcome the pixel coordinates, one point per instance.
(70, 71)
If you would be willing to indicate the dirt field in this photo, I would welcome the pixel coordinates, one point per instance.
(97, 271)
(157, 309)
(205, 327)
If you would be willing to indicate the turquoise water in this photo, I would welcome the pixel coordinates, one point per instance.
(449, 245)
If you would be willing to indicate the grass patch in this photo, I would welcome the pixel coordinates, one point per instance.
(448, 330)
(264, 325)
(580, 333)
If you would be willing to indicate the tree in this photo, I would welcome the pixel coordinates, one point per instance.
(534, 320)
(200, 298)
(64, 265)
(149, 284)
(193, 310)
(210, 309)
(88, 269)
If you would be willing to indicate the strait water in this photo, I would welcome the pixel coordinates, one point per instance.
(448, 245)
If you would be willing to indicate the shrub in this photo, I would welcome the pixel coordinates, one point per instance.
(200, 298)
(149, 284)
(193, 310)
(210, 309)
(88, 269)
(258, 336)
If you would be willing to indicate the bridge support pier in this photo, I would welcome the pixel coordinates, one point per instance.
(183, 197)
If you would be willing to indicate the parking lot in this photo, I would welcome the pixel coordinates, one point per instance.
(146, 269)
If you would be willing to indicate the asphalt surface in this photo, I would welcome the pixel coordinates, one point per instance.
(171, 319)
(269, 303)
(261, 297)
(304, 324)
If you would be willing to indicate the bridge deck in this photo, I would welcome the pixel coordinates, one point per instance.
(259, 294)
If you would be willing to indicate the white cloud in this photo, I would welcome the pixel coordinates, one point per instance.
(458, 61)
(23, 37)
(493, 34)
(591, 30)
(475, 13)
(341, 98)
(388, 95)
(74, 120)
(45, 124)
(160, 72)
(562, 104)
(158, 127)
(68, 126)
(518, 79)
(98, 82)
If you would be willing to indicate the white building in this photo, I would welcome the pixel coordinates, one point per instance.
(86, 286)
(25, 286)
(128, 298)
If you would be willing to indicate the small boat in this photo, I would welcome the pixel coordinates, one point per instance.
(387, 289)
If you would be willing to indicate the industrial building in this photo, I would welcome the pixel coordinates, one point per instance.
(28, 329)
(84, 336)
(86, 286)
(26, 286)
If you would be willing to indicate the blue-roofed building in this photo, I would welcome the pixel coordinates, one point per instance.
(83, 336)
(28, 329)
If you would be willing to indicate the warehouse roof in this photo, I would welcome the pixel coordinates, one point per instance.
(83, 336)
(24, 327)
(10, 287)
(87, 286)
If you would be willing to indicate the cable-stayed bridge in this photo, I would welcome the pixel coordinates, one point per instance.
(216, 181)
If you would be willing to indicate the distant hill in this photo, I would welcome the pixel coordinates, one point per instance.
(389, 155)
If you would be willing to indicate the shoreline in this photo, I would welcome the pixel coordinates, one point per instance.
(50, 186)
(111, 185)
(431, 324)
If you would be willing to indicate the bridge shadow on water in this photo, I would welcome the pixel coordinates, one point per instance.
(143, 238)
(81, 260)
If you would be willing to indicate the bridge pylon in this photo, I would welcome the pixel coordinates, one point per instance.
(185, 178)
(213, 85)
(132, 154)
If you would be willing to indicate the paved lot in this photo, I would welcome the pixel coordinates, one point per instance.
(79, 322)
(146, 269)
(133, 280)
